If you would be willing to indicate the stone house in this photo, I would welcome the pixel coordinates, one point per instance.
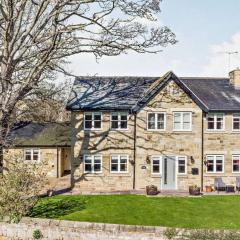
(130, 132)
(47, 143)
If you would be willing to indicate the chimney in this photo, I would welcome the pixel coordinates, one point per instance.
(235, 78)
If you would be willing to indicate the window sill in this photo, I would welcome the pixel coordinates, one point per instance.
(93, 174)
(214, 131)
(118, 130)
(213, 174)
(156, 175)
(119, 175)
(182, 175)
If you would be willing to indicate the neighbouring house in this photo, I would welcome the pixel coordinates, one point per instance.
(47, 143)
(130, 132)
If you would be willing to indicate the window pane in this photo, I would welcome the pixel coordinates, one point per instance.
(210, 125)
(186, 117)
(28, 155)
(115, 117)
(114, 124)
(123, 125)
(160, 125)
(210, 167)
(97, 116)
(236, 163)
(177, 117)
(88, 116)
(177, 126)
(88, 168)
(186, 126)
(88, 124)
(151, 117)
(114, 167)
(236, 125)
(160, 117)
(97, 163)
(124, 117)
(97, 124)
(151, 125)
(181, 165)
(219, 125)
(35, 155)
(156, 169)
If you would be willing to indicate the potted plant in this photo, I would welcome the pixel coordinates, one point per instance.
(194, 190)
(208, 188)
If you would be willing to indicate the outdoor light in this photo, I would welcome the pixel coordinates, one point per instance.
(192, 160)
(148, 160)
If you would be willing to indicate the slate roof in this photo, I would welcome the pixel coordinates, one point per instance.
(132, 93)
(215, 93)
(108, 93)
(41, 134)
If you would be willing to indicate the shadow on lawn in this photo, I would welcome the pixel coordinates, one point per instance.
(57, 208)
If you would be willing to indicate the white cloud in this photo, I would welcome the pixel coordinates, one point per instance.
(220, 62)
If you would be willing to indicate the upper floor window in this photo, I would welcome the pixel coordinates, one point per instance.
(31, 154)
(119, 121)
(215, 121)
(119, 163)
(236, 163)
(92, 163)
(92, 120)
(215, 164)
(236, 121)
(156, 121)
(182, 121)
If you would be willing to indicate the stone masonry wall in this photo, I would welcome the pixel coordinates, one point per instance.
(106, 142)
(227, 143)
(69, 230)
(48, 156)
(169, 142)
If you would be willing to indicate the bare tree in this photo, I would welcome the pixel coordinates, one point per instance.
(37, 36)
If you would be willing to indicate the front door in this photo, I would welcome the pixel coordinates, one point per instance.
(169, 173)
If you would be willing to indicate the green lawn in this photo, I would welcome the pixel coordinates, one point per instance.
(204, 212)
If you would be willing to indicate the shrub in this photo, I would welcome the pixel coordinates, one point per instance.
(37, 234)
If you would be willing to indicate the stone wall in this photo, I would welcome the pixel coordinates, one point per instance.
(69, 230)
(225, 142)
(168, 142)
(48, 157)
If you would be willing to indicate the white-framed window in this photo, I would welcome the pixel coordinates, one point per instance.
(92, 120)
(215, 163)
(92, 164)
(118, 163)
(182, 121)
(32, 154)
(156, 162)
(156, 121)
(182, 164)
(215, 121)
(236, 163)
(236, 121)
(119, 121)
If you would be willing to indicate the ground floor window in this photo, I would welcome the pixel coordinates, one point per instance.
(182, 164)
(32, 154)
(236, 163)
(215, 163)
(156, 164)
(92, 163)
(118, 163)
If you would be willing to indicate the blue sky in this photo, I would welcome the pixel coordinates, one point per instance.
(205, 30)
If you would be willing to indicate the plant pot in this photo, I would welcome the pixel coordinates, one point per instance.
(152, 190)
(208, 189)
(194, 191)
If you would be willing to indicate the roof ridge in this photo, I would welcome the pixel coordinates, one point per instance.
(212, 78)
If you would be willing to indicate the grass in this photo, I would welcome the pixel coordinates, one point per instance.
(215, 212)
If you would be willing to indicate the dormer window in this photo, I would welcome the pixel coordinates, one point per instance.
(92, 121)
